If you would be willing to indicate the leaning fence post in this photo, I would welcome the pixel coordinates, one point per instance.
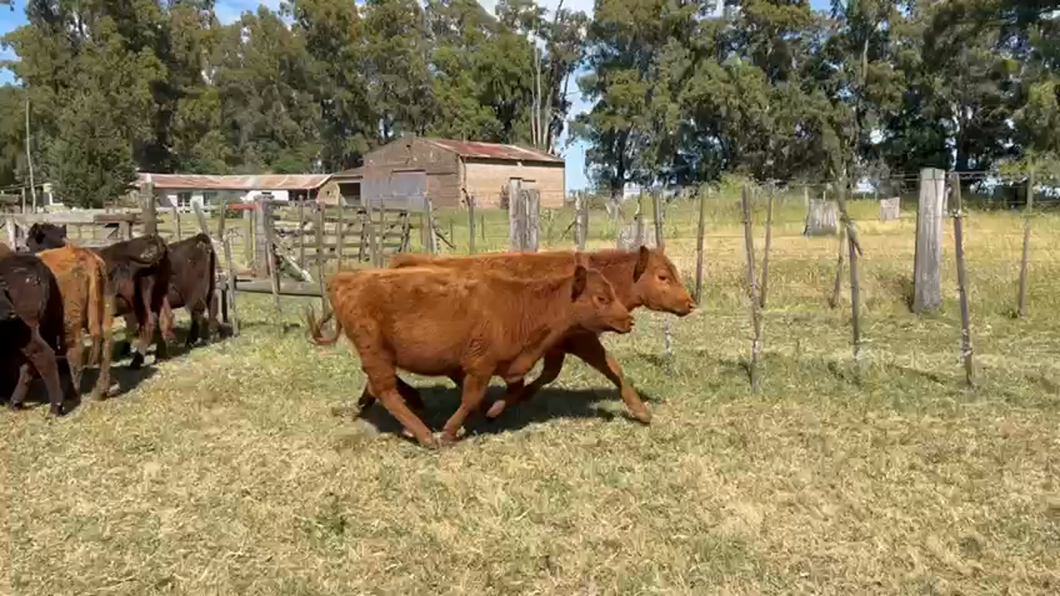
(962, 280)
(270, 253)
(765, 255)
(1026, 245)
(751, 287)
(701, 232)
(201, 217)
(321, 258)
(855, 289)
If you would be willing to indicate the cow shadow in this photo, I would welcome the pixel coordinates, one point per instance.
(550, 403)
(122, 381)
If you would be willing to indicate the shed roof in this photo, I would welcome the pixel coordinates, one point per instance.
(256, 182)
(476, 149)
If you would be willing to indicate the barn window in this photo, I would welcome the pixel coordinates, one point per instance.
(209, 197)
(183, 199)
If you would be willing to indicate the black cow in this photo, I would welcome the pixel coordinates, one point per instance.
(138, 272)
(31, 326)
(192, 284)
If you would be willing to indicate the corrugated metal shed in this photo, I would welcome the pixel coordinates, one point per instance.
(245, 183)
(475, 149)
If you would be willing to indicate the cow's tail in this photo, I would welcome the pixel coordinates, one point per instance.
(97, 305)
(315, 326)
(211, 293)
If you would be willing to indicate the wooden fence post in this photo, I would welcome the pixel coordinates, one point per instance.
(962, 280)
(321, 258)
(657, 214)
(301, 234)
(765, 255)
(581, 220)
(927, 263)
(150, 215)
(855, 283)
(249, 242)
(751, 287)
(340, 231)
(700, 237)
(1022, 311)
(201, 217)
(270, 253)
(432, 236)
(176, 223)
(230, 281)
(471, 223)
(263, 266)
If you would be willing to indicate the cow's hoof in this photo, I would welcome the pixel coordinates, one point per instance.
(55, 411)
(13, 406)
(137, 361)
(644, 417)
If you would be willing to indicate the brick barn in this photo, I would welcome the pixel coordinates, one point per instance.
(399, 173)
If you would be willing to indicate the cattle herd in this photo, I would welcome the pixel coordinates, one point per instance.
(467, 318)
(49, 296)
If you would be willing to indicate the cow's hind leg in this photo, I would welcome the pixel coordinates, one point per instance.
(409, 393)
(382, 379)
(517, 392)
(42, 357)
(75, 360)
(196, 325)
(25, 375)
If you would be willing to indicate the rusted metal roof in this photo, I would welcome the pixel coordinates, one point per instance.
(475, 149)
(257, 182)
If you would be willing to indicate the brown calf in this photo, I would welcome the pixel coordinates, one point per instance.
(644, 277)
(439, 322)
(87, 305)
(31, 325)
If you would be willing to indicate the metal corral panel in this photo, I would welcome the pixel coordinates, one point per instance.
(400, 190)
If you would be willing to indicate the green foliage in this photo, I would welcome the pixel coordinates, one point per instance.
(681, 93)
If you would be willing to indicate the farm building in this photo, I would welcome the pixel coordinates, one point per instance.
(182, 190)
(400, 173)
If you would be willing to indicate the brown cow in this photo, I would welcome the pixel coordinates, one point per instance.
(31, 325)
(438, 322)
(644, 277)
(192, 282)
(87, 305)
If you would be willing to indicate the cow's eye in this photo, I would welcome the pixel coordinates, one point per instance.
(603, 300)
(664, 278)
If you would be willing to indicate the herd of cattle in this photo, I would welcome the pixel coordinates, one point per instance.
(49, 296)
(467, 318)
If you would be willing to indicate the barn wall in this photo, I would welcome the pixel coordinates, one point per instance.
(410, 154)
(486, 180)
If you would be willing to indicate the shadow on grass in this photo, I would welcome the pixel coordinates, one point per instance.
(126, 379)
(441, 401)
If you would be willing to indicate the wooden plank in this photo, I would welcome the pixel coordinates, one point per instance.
(270, 256)
(301, 234)
(176, 223)
(285, 288)
(341, 235)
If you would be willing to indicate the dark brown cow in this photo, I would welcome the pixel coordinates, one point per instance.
(87, 305)
(138, 273)
(31, 325)
(193, 263)
(440, 322)
(644, 277)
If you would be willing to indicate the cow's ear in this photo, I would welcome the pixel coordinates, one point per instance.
(580, 275)
(642, 262)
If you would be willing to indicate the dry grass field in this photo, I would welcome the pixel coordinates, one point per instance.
(242, 468)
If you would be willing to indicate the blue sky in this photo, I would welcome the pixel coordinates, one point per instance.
(229, 10)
